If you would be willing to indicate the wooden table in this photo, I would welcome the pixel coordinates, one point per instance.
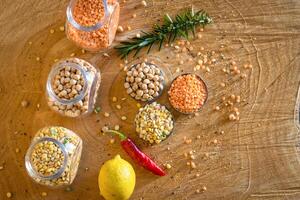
(257, 157)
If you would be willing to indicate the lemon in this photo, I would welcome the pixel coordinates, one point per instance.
(116, 179)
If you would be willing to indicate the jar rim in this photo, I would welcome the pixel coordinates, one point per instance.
(31, 170)
(58, 66)
(75, 24)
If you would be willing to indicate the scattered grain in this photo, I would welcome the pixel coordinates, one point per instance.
(114, 99)
(44, 194)
(8, 194)
(144, 3)
(117, 127)
(120, 29)
(24, 103)
(168, 166)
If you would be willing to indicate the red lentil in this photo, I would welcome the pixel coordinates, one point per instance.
(187, 93)
(87, 13)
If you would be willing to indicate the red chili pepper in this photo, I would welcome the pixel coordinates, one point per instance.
(136, 154)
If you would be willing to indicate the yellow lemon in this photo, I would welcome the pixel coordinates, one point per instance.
(116, 179)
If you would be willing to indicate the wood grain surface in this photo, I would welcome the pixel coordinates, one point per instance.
(255, 158)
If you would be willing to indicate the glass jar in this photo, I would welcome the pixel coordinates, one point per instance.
(92, 25)
(53, 156)
(72, 87)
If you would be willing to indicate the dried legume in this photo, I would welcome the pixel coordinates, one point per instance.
(187, 93)
(154, 123)
(88, 13)
(72, 87)
(53, 157)
(144, 81)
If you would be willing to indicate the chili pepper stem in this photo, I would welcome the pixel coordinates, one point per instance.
(121, 135)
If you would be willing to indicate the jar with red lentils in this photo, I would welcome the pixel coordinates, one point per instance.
(72, 87)
(92, 24)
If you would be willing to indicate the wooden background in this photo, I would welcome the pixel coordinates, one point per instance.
(256, 158)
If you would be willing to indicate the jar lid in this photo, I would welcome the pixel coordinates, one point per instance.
(31, 168)
(78, 26)
(55, 69)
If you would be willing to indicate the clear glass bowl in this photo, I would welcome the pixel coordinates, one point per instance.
(205, 86)
(163, 138)
(150, 61)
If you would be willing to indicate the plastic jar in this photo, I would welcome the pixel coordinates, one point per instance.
(53, 156)
(72, 87)
(92, 25)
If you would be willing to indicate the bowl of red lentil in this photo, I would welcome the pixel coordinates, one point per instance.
(188, 93)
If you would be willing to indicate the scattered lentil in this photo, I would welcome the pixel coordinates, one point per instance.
(8, 194)
(168, 166)
(117, 127)
(112, 141)
(24, 103)
(44, 194)
(118, 107)
(144, 3)
(193, 165)
(120, 29)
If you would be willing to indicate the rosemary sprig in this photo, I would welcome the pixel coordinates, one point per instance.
(181, 25)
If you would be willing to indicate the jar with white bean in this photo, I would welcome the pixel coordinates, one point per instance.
(53, 156)
(72, 87)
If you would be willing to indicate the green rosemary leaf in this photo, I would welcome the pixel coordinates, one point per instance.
(160, 44)
(150, 47)
(181, 25)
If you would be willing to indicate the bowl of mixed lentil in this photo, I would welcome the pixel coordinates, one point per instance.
(188, 93)
(144, 81)
(154, 123)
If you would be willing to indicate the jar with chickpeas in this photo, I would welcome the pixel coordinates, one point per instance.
(72, 87)
(53, 156)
